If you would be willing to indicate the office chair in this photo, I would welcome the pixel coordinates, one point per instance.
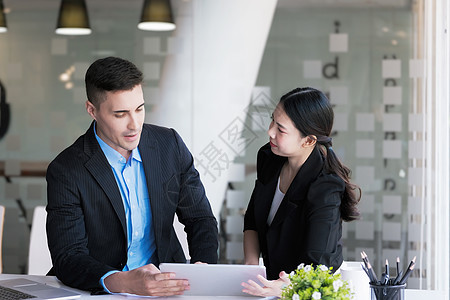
(182, 236)
(39, 261)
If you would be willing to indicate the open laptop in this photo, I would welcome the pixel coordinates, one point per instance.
(215, 279)
(35, 290)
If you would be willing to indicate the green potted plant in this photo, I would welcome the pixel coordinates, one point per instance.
(309, 282)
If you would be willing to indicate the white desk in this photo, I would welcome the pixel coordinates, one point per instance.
(409, 294)
(53, 281)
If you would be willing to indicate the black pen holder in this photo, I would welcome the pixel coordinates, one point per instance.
(387, 292)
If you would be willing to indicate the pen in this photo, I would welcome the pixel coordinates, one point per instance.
(408, 271)
(385, 278)
(364, 257)
(386, 273)
(398, 265)
(364, 266)
(372, 273)
(365, 270)
(398, 277)
(412, 262)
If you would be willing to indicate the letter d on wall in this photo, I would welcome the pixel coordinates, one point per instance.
(331, 70)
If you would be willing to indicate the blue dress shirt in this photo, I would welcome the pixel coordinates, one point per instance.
(130, 178)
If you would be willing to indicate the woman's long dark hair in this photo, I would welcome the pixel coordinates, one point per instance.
(311, 112)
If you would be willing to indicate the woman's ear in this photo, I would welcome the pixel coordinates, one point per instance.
(310, 141)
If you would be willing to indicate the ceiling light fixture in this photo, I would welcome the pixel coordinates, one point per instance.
(73, 18)
(156, 16)
(3, 27)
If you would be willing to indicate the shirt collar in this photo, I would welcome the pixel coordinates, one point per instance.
(113, 156)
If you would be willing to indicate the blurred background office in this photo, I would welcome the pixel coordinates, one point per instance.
(217, 75)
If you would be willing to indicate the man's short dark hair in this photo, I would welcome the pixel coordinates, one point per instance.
(110, 74)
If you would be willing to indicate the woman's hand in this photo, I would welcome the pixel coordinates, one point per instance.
(269, 288)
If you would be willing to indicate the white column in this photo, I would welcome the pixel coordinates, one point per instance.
(437, 111)
(208, 79)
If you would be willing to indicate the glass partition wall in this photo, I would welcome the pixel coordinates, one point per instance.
(374, 63)
(361, 58)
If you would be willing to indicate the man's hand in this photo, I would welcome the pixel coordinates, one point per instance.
(147, 281)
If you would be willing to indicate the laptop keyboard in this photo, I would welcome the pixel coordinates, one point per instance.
(10, 294)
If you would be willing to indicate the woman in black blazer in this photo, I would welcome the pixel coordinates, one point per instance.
(301, 195)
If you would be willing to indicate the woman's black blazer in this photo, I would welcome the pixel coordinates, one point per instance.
(307, 227)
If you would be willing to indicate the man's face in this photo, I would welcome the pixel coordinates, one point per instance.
(120, 119)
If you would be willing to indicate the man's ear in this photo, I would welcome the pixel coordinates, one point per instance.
(90, 108)
(310, 141)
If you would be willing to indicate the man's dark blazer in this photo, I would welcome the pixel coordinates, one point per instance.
(307, 226)
(86, 224)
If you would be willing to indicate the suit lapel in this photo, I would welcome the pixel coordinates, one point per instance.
(267, 183)
(266, 192)
(149, 150)
(100, 169)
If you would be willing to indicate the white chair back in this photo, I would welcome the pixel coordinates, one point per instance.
(182, 236)
(39, 261)
(2, 220)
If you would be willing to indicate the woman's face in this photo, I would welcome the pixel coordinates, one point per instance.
(285, 139)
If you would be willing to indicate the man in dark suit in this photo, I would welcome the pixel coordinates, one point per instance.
(113, 194)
